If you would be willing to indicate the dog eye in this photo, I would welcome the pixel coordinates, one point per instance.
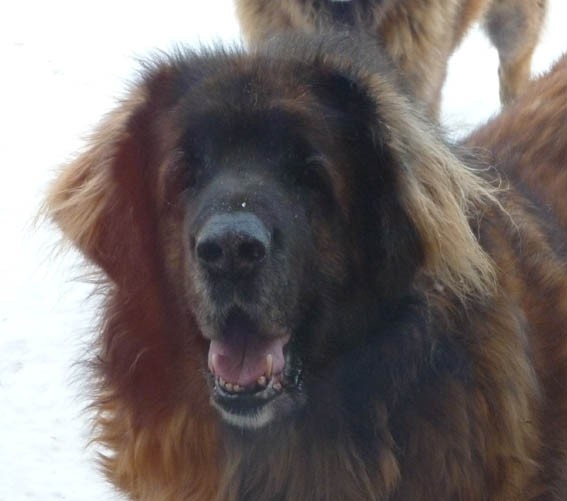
(192, 172)
(310, 175)
(189, 180)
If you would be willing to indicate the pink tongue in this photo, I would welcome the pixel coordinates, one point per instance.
(241, 358)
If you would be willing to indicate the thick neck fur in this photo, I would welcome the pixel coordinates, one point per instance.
(343, 427)
(305, 460)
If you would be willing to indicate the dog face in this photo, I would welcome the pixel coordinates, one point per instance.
(255, 226)
(269, 229)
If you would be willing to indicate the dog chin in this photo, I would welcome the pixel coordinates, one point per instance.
(277, 409)
(249, 421)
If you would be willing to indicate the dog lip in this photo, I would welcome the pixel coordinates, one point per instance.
(244, 405)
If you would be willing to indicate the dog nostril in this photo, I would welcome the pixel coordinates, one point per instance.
(251, 252)
(233, 244)
(209, 252)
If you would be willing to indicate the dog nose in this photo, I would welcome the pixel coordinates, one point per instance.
(234, 243)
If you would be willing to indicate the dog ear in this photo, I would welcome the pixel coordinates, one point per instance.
(94, 200)
(103, 200)
(422, 221)
(441, 196)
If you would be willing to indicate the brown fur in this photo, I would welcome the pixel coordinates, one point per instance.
(492, 283)
(539, 163)
(528, 142)
(419, 35)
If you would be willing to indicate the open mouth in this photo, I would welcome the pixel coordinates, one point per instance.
(249, 370)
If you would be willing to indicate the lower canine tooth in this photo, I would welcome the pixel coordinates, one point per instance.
(213, 362)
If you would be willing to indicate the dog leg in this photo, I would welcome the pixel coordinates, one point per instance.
(514, 27)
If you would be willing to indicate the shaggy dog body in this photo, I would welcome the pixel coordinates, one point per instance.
(529, 144)
(419, 35)
(309, 296)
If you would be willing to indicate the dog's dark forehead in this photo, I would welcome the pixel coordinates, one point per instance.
(268, 134)
(252, 105)
(243, 80)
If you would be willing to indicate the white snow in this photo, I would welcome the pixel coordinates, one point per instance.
(63, 64)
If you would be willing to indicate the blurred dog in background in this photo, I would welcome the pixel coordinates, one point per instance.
(419, 35)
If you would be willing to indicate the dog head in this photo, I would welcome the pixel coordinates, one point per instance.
(248, 203)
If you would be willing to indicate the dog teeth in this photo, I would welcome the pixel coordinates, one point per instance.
(273, 381)
(230, 387)
(213, 362)
(269, 365)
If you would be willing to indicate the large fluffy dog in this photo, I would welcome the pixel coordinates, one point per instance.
(310, 296)
(419, 35)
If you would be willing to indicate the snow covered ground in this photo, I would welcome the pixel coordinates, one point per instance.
(63, 63)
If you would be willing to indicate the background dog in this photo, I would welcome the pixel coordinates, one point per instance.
(310, 295)
(528, 141)
(419, 35)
